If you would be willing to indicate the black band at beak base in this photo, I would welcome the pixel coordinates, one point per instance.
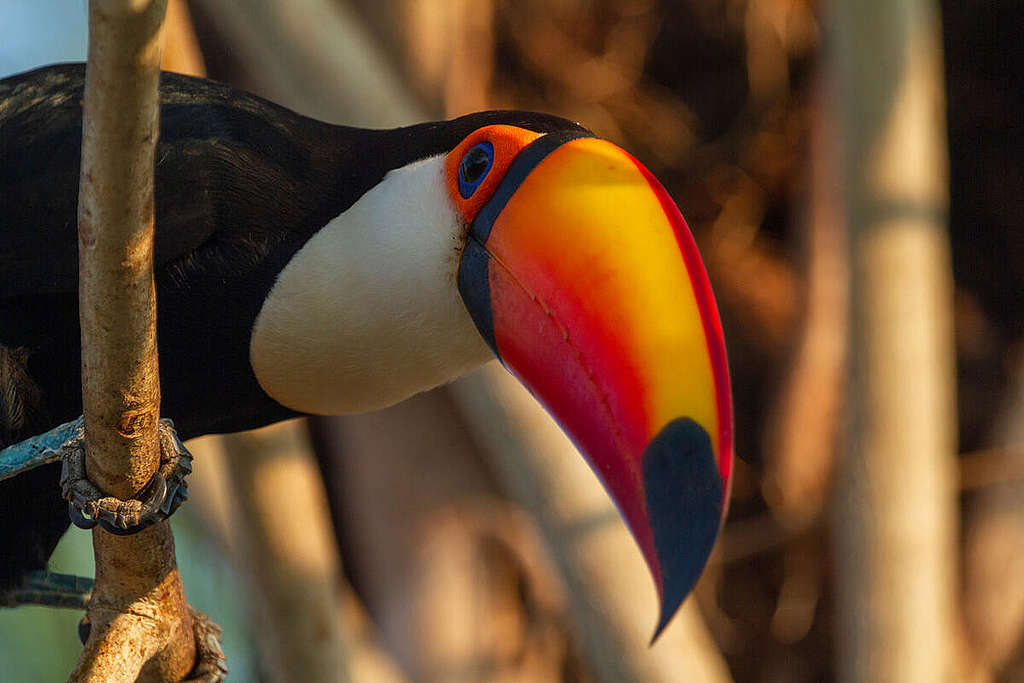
(475, 288)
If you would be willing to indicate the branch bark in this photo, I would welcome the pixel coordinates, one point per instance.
(141, 625)
(896, 512)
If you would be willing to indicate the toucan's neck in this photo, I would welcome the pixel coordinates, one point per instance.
(368, 313)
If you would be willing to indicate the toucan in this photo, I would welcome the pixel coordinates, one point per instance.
(309, 268)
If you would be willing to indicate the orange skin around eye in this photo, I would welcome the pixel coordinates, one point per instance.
(508, 141)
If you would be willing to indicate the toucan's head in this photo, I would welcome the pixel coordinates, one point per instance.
(561, 255)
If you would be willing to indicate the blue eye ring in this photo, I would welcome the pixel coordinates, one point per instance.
(473, 168)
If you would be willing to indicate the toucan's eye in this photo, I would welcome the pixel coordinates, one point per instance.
(474, 167)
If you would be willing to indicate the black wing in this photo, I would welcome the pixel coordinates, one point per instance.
(228, 165)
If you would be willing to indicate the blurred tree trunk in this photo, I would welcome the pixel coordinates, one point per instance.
(261, 501)
(285, 547)
(444, 49)
(802, 433)
(181, 47)
(457, 578)
(895, 515)
(315, 57)
(993, 595)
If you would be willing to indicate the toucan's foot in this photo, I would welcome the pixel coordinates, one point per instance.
(165, 491)
(49, 589)
(84, 628)
(211, 664)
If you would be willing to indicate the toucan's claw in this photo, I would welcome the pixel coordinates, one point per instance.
(211, 664)
(162, 495)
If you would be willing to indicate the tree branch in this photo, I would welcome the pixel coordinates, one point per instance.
(896, 508)
(802, 435)
(288, 555)
(141, 625)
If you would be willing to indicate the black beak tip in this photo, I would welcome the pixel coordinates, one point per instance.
(684, 492)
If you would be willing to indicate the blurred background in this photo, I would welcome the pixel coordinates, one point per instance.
(872, 302)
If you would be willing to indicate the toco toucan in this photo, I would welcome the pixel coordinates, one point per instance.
(308, 268)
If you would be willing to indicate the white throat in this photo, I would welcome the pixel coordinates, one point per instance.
(368, 312)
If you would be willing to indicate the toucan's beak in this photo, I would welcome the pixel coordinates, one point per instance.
(583, 277)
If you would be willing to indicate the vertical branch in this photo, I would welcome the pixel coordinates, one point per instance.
(803, 433)
(289, 556)
(181, 52)
(138, 608)
(896, 505)
(459, 581)
(470, 60)
(120, 376)
(324, 42)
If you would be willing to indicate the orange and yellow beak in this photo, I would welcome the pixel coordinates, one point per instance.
(582, 276)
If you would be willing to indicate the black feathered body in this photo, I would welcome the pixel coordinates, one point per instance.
(241, 185)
